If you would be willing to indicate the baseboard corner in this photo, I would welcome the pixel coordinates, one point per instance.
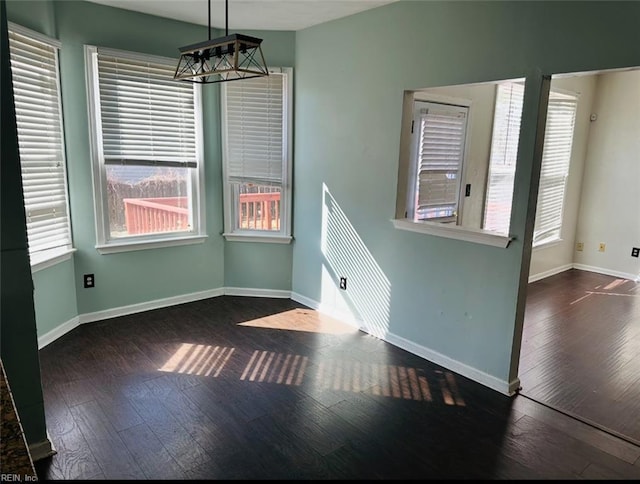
(42, 450)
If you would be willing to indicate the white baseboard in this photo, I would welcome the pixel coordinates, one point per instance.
(256, 292)
(42, 450)
(58, 331)
(608, 272)
(304, 300)
(549, 273)
(504, 387)
(149, 305)
(64, 328)
(329, 311)
(507, 388)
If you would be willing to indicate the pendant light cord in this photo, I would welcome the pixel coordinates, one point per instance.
(226, 18)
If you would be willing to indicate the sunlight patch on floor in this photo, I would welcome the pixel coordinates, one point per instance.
(615, 283)
(201, 360)
(384, 380)
(300, 319)
(275, 368)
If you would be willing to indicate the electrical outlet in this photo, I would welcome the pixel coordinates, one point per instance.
(580, 246)
(635, 252)
(89, 280)
(343, 283)
(601, 247)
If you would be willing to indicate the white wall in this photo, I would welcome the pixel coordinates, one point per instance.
(610, 203)
(551, 259)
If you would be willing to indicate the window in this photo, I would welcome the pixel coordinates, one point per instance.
(147, 150)
(438, 141)
(556, 157)
(257, 157)
(503, 157)
(34, 67)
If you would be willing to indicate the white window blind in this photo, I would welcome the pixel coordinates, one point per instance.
(146, 116)
(147, 147)
(556, 157)
(440, 131)
(34, 66)
(254, 124)
(504, 153)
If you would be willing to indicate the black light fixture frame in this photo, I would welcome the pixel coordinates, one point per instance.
(229, 58)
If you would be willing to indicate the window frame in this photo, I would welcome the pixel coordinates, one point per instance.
(49, 257)
(445, 104)
(105, 244)
(508, 147)
(556, 238)
(401, 221)
(231, 231)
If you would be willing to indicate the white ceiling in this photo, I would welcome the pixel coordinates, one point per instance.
(250, 14)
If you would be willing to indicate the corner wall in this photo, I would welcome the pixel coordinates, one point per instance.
(460, 303)
(610, 205)
(18, 341)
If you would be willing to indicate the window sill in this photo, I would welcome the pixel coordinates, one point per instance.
(249, 237)
(116, 247)
(454, 232)
(50, 258)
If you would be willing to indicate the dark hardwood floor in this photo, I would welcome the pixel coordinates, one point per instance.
(581, 349)
(253, 388)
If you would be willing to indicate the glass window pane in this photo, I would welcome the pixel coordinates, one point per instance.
(148, 200)
(258, 207)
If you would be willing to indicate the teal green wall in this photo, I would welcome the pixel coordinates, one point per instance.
(140, 276)
(136, 277)
(263, 265)
(18, 335)
(257, 265)
(54, 296)
(54, 288)
(459, 299)
(33, 14)
(131, 277)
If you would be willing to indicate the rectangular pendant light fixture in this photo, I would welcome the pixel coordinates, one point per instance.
(229, 58)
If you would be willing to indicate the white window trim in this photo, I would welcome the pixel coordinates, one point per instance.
(155, 243)
(457, 232)
(36, 35)
(492, 148)
(259, 237)
(413, 161)
(51, 257)
(556, 240)
(284, 236)
(104, 244)
(440, 229)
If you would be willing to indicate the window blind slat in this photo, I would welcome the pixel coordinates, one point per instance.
(504, 153)
(144, 113)
(556, 157)
(440, 150)
(40, 141)
(254, 121)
